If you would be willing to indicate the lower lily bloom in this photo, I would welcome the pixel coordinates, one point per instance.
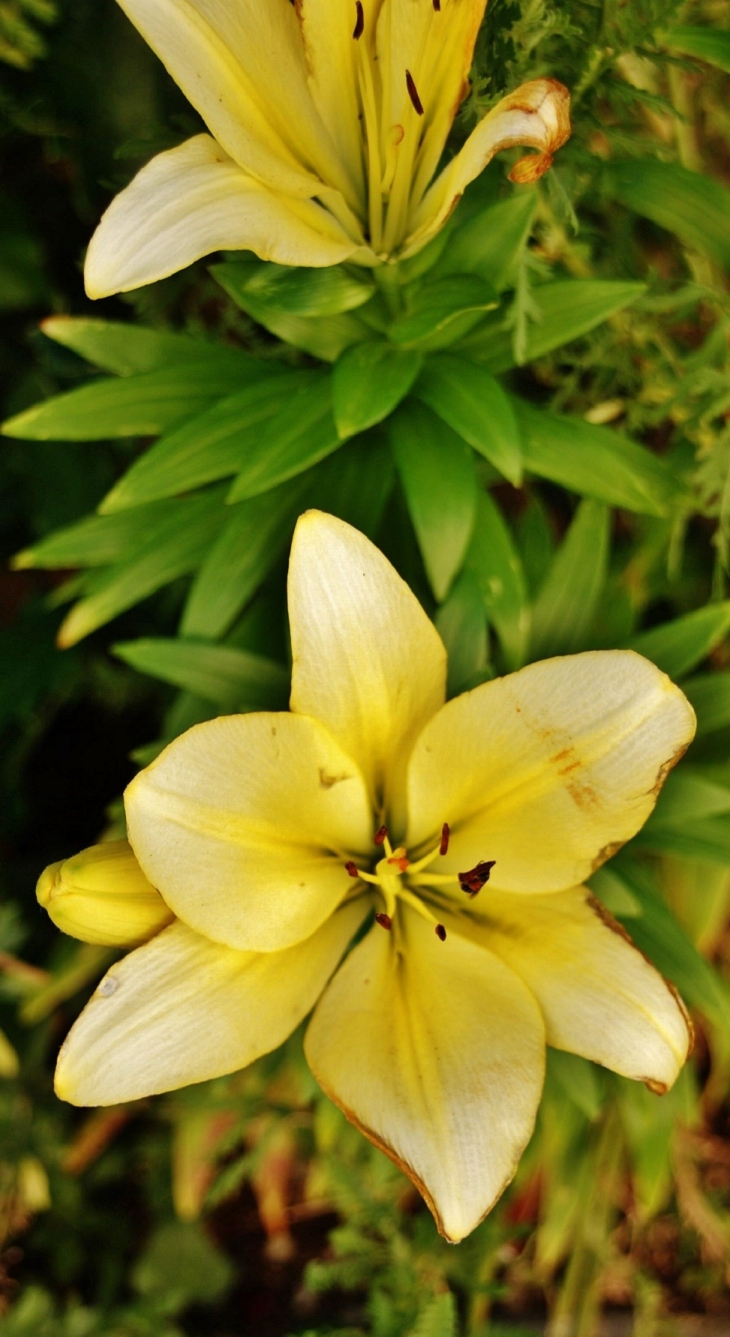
(450, 840)
(328, 120)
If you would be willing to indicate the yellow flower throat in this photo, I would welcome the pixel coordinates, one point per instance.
(394, 873)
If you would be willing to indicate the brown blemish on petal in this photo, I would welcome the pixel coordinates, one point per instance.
(606, 853)
(656, 1088)
(530, 168)
(666, 767)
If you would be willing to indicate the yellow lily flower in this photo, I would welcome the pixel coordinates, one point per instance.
(328, 120)
(457, 835)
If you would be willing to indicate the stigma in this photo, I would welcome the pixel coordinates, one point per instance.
(400, 879)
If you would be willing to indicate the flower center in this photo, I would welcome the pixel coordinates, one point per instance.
(398, 878)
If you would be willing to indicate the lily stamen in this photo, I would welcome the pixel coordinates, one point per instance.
(472, 881)
(384, 920)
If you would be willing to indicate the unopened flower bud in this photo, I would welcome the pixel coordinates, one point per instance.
(102, 896)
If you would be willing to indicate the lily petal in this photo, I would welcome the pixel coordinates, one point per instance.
(243, 824)
(549, 770)
(599, 995)
(331, 50)
(242, 67)
(367, 661)
(183, 1009)
(536, 115)
(192, 200)
(435, 1050)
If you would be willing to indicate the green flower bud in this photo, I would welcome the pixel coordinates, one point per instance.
(102, 896)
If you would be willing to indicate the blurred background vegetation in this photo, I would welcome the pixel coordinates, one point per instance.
(248, 1205)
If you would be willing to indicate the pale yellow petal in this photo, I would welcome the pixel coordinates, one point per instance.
(183, 1009)
(243, 824)
(243, 68)
(599, 995)
(549, 770)
(436, 1051)
(535, 115)
(331, 49)
(367, 661)
(193, 200)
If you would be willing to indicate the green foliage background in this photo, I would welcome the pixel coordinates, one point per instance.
(533, 423)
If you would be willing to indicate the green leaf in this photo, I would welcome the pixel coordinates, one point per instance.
(694, 207)
(495, 565)
(476, 406)
(181, 1261)
(688, 796)
(565, 310)
(489, 244)
(170, 551)
(568, 598)
(709, 44)
(462, 626)
(678, 647)
(579, 1080)
(706, 839)
(128, 350)
(595, 462)
(232, 679)
(255, 534)
(98, 540)
(368, 383)
(324, 337)
(657, 933)
(437, 1318)
(290, 440)
(356, 483)
(210, 446)
(709, 693)
(438, 475)
(143, 405)
(308, 292)
(442, 310)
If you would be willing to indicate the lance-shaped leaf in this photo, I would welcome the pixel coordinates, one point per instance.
(475, 405)
(709, 693)
(98, 540)
(210, 446)
(709, 44)
(568, 598)
(127, 350)
(368, 383)
(462, 626)
(254, 535)
(287, 442)
(142, 405)
(232, 679)
(160, 559)
(495, 565)
(438, 475)
(694, 207)
(679, 646)
(595, 462)
(305, 292)
(324, 337)
(441, 311)
(489, 244)
(564, 310)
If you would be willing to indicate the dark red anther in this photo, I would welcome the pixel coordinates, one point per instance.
(445, 834)
(437, 6)
(440, 932)
(359, 21)
(381, 835)
(473, 881)
(352, 869)
(413, 93)
(384, 920)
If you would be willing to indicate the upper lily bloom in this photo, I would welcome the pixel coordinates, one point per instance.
(457, 834)
(328, 121)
